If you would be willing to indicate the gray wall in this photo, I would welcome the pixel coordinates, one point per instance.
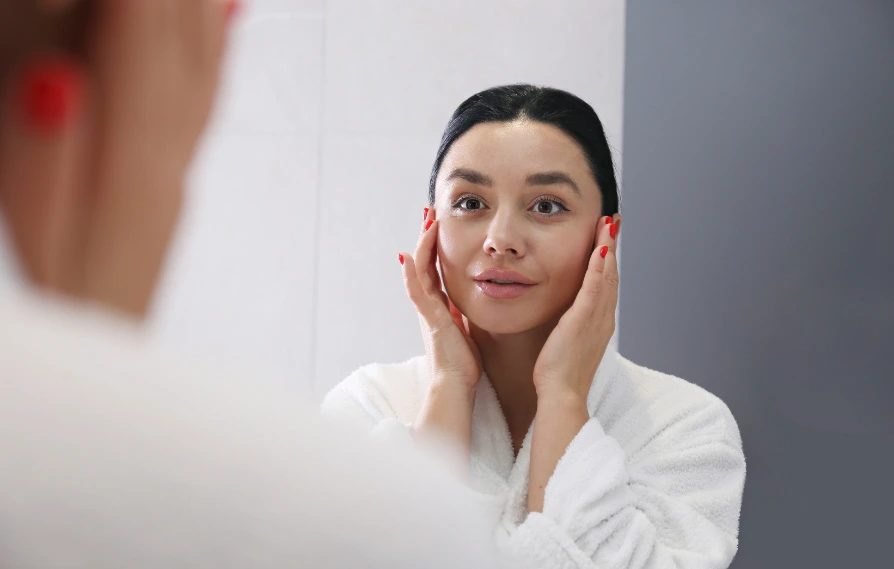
(758, 253)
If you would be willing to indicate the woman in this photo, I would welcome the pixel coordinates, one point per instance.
(586, 459)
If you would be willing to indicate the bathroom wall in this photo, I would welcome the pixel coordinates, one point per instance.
(315, 172)
(758, 252)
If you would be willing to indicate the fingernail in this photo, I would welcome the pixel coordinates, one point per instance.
(608, 219)
(613, 230)
(401, 259)
(233, 8)
(425, 213)
(603, 252)
(52, 93)
(428, 225)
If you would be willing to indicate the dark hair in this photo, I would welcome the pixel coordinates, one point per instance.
(542, 104)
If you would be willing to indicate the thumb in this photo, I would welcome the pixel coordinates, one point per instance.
(457, 316)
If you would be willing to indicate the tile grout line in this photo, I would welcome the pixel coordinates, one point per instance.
(314, 311)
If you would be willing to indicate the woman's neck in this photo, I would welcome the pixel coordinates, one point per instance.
(508, 361)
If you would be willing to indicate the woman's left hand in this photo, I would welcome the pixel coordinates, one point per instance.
(576, 346)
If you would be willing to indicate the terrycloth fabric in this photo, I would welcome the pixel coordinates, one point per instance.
(653, 480)
(118, 456)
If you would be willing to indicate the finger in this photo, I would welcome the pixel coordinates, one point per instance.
(42, 153)
(607, 231)
(463, 324)
(233, 8)
(425, 254)
(157, 82)
(222, 16)
(212, 19)
(193, 17)
(594, 279)
(444, 298)
(165, 21)
(457, 315)
(436, 284)
(433, 273)
(603, 221)
(460, 320)
(610, 280)
(195, 21)
(428, 214)
(603, 294)
(416, 293)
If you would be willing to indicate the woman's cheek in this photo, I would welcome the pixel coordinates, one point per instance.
(572, 261)
(453, 263)
(455, 247)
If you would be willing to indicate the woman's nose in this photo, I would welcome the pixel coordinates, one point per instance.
(504, 238)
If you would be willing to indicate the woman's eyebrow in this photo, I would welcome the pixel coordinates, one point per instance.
(550, 178)
(539, 179)
(471, 176)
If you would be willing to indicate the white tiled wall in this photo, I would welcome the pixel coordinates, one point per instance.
(315, 171)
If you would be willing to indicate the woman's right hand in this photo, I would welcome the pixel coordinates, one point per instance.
(444, 423)
(453, 357)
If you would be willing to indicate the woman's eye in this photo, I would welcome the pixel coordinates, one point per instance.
(547, 207)
(471, 204)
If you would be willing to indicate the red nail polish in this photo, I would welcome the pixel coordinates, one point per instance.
(613, 230)
(608, 219)
(603, 252)
(232, 9)
(425, 213)
(52, 94)
(428, 225)
(401, 259)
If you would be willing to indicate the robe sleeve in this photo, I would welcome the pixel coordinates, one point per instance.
(672, 503)
(357, 404)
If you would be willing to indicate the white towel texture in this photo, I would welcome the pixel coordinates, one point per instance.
(653, 480)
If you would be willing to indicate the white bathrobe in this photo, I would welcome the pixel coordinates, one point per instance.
(116, 455)
(653, 480)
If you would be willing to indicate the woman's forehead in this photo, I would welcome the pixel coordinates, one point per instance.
(517, 145)
(494, 154)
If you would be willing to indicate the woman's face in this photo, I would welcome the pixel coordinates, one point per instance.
(518, 208)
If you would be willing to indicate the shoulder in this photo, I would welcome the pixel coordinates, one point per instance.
(381, 391)
(82, 389)
(639, 399)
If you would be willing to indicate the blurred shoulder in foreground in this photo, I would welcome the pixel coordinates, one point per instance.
(115, 456)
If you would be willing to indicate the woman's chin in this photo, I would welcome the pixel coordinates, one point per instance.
(503, 322)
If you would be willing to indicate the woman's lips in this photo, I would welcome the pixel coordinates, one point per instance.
(503, 291)
(504, 275)
(503, 283)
